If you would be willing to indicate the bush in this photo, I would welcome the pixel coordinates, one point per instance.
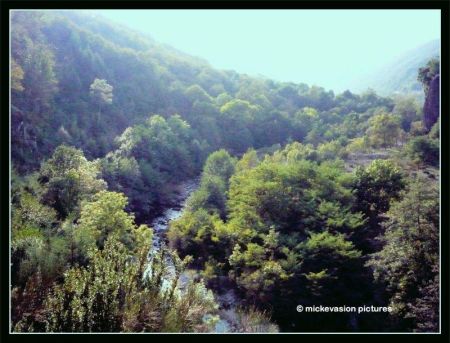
(423, 150)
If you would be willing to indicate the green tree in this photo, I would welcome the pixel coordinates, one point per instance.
(248, 161)
(67, 178)
(326, 258)
(423, 150)
(102, 93)
(384, 130)
(409, 111)
(425, 308)
(211, 196)
(302, 122)
(376, 185)
(166, 153)
(123, 174)
(103, 216)
(197, 93)
(202, 236)
(39, 255)
(237, 116)
(116, 293)
(220, 164)
(40, 83)
(408, 262)
(214, 184)
(257, 272)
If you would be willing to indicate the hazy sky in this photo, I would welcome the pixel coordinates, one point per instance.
(329, 48)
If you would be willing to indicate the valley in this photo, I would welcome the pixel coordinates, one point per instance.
(152, 192)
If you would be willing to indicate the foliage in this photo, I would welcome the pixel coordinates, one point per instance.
(284, 213)
(408, 262)
(112, 294)
(214, 184)
(376, 185)
(101, 91)
(102, 217)
(72, 65)
(384, 130)
(289, 220)
(427, 73)
(434, 132)
(409, 111)
(423, 150)
(67, 178)
(202, 235)
(253, 321)
(150, 157)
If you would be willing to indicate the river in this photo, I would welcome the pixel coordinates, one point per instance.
(175, 211)
(227, 299)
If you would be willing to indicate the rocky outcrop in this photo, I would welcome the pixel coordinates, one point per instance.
(431, 106)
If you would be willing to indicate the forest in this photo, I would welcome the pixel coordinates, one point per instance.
(302, 197)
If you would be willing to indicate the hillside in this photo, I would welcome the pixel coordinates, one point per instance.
(151, 192)
(57, 56)
(400, 76)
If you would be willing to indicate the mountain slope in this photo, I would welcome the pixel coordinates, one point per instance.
(400, 76)
(57, 56)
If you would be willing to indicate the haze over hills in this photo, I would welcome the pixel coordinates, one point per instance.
(382, 72)
(400, 76)
(297, 46)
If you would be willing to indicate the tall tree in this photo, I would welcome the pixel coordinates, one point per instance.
(68, 178)
(384, 130)
(102, 93)
(408, 263)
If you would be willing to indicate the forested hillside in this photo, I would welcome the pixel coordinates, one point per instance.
(305, 196)
(56, 100)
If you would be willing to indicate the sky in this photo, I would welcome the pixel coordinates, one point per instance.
(329, 48)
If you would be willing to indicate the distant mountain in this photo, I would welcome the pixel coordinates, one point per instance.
(400, 76)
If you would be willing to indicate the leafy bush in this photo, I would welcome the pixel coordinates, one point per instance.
(423, 150)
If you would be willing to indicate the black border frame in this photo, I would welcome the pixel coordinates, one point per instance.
(442, 5)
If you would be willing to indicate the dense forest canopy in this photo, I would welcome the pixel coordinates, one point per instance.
(305, 196)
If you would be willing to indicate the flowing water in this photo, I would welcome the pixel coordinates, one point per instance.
(160, 224)
(228, 299)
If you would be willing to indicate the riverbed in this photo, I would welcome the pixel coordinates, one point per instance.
(227, 300)
(175, 211)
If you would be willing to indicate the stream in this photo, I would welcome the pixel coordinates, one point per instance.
(160, 223)
(227, 300)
